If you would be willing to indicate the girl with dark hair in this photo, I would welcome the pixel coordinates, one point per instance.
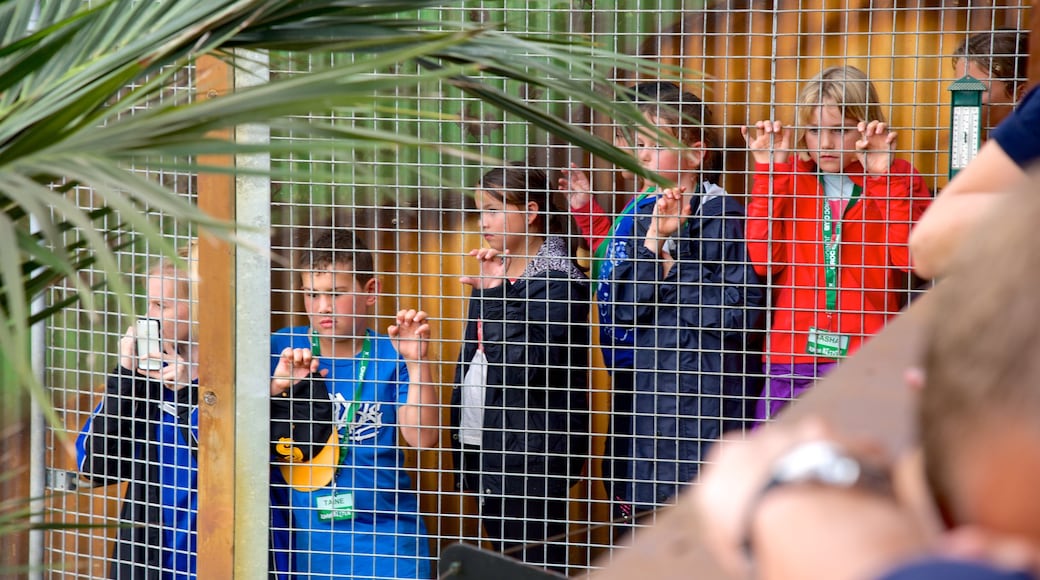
(520, 415)
(691, 161)
(1000, 59)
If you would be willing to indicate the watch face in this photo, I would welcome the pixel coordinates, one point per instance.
(843, 471)
(817, 461)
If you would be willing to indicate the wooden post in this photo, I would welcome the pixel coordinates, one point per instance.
(14, 461)
(234, 299)
(216, 546)
(1034, 44)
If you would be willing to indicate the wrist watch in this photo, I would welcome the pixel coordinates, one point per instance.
(822, 463)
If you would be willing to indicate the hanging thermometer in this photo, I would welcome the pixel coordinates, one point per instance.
(965, 122)
(965, 131)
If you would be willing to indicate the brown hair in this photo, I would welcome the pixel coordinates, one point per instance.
(323, 247)
(1003, 53)
(517, 184)
(684, 116)
(982, 351)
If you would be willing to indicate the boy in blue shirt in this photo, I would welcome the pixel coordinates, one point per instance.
(355, 513)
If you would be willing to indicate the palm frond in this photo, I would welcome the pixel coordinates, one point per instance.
(85, 98)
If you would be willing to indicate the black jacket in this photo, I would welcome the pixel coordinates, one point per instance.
(119, 443)
(536, 412)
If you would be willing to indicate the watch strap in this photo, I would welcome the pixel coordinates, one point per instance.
(871, 477)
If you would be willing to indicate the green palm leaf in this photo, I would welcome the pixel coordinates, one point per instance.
(84, 98)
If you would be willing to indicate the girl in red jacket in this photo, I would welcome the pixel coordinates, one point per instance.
(829, 223)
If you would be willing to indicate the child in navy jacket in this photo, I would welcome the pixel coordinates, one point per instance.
(694, 300)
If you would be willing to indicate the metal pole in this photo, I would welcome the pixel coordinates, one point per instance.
(37, 421)
(252, 338)
(234, 314)
(37, 443)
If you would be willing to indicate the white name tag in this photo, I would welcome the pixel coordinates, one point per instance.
(828, 344)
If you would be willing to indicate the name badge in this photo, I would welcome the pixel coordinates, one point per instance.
(338, 506)
(828, 344)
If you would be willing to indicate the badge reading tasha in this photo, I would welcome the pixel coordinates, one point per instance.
(829, 344)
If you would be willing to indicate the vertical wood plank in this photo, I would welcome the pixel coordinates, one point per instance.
(216, 553)
(14, 461)
(1034, 44)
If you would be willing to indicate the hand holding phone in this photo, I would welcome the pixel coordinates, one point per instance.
(148, 343)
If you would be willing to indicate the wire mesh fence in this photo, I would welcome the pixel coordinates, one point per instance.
(532, 351)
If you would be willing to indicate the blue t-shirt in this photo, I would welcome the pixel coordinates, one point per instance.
(386, 537)
(618, 342)
(1017, 134)
(941, 569)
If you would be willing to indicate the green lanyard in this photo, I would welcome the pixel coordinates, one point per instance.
(601, 251)
(831, 243)
(344, 436)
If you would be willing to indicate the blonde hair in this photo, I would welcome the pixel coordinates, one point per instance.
(189, 254)
(845, 87)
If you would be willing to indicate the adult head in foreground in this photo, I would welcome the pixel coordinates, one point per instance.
(799, 502)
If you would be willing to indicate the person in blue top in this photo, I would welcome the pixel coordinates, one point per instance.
(611, 243)
(1002, 165)
(145, 432)
(694, 301)
(355, 511)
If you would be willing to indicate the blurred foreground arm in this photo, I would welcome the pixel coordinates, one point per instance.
(805, 530)
(960, 206)
(1000, 167)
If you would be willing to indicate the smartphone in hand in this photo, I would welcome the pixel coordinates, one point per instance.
(148, 342)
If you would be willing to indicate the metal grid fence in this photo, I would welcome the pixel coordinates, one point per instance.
(564, 451)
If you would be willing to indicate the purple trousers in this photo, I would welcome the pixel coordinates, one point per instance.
(785, 383)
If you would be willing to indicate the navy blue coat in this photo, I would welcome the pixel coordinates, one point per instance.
(695, 347)
(120, 441)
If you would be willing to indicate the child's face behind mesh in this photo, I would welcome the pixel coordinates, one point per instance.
(169, 303)
(503, 225)
(830, 138)
(336, 304)
(669, 161)
(998, 100)
(621, 141)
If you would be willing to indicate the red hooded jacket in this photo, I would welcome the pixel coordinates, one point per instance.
(873, 255)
